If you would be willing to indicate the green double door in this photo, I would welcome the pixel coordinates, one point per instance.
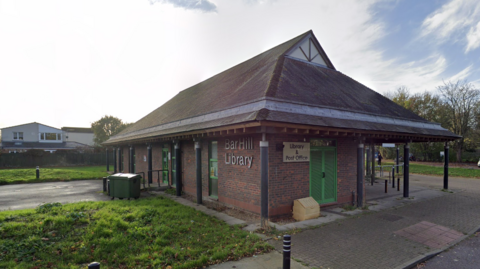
(323, 174)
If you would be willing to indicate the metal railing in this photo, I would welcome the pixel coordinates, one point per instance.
(158, 176)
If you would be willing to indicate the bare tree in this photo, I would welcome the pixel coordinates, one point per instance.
(461, 100)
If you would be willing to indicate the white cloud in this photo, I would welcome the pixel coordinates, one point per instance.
(203, 5)
(473, 38)
(455, 21)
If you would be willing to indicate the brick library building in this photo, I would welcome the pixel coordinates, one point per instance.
(280, 126)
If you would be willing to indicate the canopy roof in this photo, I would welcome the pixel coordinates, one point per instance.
(292, 83)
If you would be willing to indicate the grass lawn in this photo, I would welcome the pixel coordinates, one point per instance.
(13, 176)
(147, 233)
(438, 170)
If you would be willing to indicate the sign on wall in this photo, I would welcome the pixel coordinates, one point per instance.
(296, 152)
(244, 143)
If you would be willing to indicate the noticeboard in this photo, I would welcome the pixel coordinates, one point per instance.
(296, 152)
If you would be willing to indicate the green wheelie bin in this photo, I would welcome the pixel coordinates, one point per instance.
(124, 186)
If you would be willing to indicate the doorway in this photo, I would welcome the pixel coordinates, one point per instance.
(323, 171)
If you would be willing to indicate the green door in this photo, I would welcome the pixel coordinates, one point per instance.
(165, 166)
(323, 174)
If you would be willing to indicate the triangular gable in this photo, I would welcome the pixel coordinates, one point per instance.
(309, 50)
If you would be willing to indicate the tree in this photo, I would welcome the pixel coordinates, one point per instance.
(106, 127)
(461, 101)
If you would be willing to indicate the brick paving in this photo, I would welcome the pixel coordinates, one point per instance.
(370, 241)
(430, 234)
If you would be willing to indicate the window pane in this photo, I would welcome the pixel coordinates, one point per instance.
(42, 136)
(50, 136)
(59, 136)
(20, 136)
(15, 135)
(214, 169)
(214, 154)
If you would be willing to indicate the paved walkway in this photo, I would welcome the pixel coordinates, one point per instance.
(372, 240)
(22, 196)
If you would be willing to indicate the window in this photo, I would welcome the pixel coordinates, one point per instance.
(213, 168)
(17, 135)
(51, 136)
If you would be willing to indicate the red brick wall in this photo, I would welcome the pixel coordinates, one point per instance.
(239, 186)
(291, 181)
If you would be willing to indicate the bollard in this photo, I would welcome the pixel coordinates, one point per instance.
(104, 184)
(398, 184)
(38, 172)
(94, 265)
(386, 185)
(286, 251)
(393, 177)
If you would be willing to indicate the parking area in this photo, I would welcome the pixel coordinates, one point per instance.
(21, 196)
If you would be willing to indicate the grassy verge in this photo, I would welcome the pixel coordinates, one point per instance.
(14, 176)
(148, 233)
(438, 170)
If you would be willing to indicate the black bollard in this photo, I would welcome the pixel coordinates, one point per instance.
(386, 185)
(393, 177)
(94, 265)
(286, 251)
(398, 184)
(38, 172)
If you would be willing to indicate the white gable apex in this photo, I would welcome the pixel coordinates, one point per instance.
(308, 50)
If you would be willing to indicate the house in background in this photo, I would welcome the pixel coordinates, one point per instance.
(20, 138)
(78, 134)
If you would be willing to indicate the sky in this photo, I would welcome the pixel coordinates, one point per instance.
(69, 63)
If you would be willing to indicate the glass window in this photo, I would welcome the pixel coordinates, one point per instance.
(50, 136)
(17, 135)
(59, 136)
(213, 159)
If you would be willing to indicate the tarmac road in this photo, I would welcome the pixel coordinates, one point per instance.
(21, 196)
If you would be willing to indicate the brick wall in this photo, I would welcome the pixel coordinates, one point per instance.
(239, 185)
(291, 181)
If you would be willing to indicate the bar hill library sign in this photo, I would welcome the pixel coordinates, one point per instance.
(242, 143)
(296, 152)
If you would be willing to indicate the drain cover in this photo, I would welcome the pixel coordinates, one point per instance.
(390, 217)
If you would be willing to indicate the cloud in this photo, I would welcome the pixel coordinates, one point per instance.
(203, 5)
(455, 21)
(473, 38)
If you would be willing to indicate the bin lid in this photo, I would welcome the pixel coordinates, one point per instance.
(124, 176)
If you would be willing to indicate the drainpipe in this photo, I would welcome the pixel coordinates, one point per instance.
(445, 168)
(198, 158)
(372, 153)
(178, 174)
(406, 175)
(149, 163)
(264, 180)
(360, 163)
(114, 150)
(108, 165)
(120, 160)
(130, 163)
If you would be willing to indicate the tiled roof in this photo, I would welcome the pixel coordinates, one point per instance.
(286, 90)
